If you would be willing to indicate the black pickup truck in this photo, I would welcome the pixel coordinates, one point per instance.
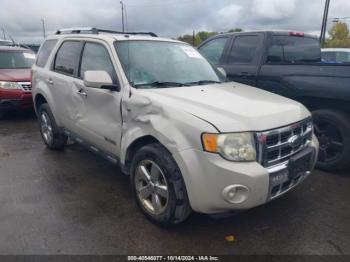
(290, 64)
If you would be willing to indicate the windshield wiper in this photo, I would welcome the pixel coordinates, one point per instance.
(203, 82)
(162, 84)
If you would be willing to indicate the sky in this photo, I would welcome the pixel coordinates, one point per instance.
(168, 18)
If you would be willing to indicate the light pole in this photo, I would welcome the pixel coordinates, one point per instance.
(122, 4)
(44, 30)
(324, 23)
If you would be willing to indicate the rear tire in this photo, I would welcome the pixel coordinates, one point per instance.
(158, 186)
(332, 129)
(52, 135)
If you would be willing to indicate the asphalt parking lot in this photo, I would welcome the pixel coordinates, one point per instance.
(74, 202)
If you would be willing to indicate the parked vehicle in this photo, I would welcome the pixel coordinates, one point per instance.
(337, 55)
(289, 64)
(15, 86)
(156, 107)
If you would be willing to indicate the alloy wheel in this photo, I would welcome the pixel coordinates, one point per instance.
(331, 141)
(151, 187)
(46, 127)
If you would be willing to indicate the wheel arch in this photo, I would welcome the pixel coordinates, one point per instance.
(136, 145)
(317, 103)
(38, 101)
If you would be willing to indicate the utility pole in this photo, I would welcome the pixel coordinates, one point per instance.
(122, 4)
(324, 24)
(194, 38)
(44, 30)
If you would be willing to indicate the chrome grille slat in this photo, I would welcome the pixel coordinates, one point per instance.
(275, 145)
(26, 86)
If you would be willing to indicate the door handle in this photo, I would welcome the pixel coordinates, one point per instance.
(81, 92)
(49, 81)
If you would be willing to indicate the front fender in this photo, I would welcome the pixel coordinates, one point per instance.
(176, 130)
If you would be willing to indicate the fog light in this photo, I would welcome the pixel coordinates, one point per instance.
(235, 194)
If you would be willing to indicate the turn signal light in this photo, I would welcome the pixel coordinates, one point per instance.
(210, 142)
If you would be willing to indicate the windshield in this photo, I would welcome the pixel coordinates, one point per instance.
(150, 64)
(16, 59)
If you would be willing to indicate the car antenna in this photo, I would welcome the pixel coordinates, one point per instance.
(129, 73)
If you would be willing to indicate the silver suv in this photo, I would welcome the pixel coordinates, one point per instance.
(188, 139)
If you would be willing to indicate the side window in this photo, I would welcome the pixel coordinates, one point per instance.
(67, 58)
(329, 56)
(343, 57)
(288, 49)
(213, 49)
(45, 52)
(244, 50)
(96, 58)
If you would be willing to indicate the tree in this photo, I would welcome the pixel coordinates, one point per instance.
(189, 39)
(235, 30)
(202, 36)
(339, 36)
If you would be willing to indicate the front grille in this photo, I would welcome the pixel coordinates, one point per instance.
(26, 86)
(278, 145)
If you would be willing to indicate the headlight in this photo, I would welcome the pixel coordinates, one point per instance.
(238, 147)
(10, 85)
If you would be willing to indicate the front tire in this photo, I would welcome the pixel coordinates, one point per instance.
(50, 132)
(332, 129)
(158, 186)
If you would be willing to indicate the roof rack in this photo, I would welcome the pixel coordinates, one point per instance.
(92, 30)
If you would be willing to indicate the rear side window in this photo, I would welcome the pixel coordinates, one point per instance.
(244, 50)
(294, 49)
(341, 57)
(213, 50)
(96, 58)
(45, 52)
(67, 58)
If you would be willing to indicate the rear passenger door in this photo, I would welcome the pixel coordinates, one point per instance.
(61, 82)
(243, 59)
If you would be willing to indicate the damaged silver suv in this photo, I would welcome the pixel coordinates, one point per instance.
(188, 139)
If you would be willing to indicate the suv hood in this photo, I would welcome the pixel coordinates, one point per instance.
(232, 107)
(15, 75)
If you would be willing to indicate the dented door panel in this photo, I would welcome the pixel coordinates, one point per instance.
(99, 116)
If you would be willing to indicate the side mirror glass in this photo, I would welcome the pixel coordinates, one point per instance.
(99, 79)
(222, 71)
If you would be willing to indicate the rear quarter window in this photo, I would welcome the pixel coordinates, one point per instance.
(293, 50)
(45, 52)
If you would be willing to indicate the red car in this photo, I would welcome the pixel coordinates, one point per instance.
(15, 78)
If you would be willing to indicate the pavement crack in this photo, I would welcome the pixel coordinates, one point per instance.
(338, 248)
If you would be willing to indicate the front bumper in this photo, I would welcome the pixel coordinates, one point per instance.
(15, 100)
(208, 177)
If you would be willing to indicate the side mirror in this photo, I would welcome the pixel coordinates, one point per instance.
(222, 71)
(99, 79)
